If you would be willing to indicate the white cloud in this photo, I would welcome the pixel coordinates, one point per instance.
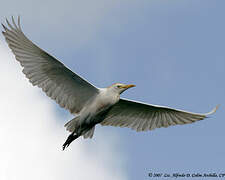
(31, 136)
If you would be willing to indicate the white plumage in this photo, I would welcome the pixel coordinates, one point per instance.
(90, 104)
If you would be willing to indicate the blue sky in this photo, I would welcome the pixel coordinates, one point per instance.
(172, 50)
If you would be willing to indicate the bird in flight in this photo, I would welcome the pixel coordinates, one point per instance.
(89, 104)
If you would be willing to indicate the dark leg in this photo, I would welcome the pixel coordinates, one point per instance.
(70, 138)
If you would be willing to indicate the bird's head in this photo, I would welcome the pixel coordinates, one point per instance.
(120, 88)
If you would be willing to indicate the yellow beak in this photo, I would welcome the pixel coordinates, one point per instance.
(128, 86)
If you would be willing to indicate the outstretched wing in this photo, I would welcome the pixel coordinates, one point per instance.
(58, 82)
(143, 117)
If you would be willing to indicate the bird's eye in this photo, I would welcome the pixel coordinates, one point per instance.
(118, 86)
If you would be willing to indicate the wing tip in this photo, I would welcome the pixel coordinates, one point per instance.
(14, 26)
(213, 111)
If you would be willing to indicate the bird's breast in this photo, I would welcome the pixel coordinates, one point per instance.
(94, 108)
(105, 101)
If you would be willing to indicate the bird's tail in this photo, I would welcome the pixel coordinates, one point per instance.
(72, 125)
(90, 133)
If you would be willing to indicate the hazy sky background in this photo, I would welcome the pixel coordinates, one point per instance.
(172, 50)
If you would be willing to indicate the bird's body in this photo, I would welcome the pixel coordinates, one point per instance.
(92, 113)
(89, 104)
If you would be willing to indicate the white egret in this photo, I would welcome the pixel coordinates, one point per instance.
(89, 104)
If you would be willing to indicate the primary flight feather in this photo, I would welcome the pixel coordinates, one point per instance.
(89, 104)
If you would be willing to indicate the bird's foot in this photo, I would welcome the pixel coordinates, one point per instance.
(70, 138)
